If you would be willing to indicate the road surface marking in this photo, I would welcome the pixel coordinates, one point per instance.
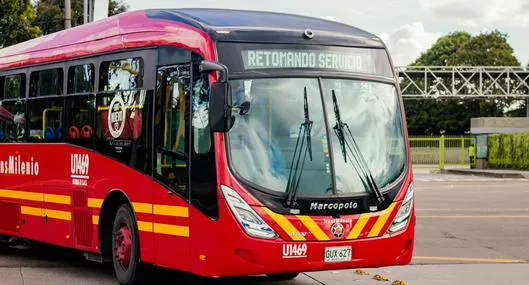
(490, 260)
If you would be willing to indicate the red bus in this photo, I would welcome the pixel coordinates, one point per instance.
(216, 142)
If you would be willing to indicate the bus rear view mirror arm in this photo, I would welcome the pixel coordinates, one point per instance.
(208, 66)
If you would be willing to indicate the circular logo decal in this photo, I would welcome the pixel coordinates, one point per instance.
(116, 116)
(337, 230)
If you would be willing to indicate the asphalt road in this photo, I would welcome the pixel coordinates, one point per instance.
(471, 230)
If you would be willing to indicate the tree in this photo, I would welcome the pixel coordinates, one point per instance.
(51, 13)
(16, 22)
(452, 116)
(116, 7)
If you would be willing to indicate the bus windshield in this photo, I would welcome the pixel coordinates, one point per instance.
(263, 139)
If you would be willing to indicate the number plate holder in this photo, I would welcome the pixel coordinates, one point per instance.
(338, 254)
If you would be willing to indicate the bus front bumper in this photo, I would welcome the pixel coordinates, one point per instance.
(237, 254)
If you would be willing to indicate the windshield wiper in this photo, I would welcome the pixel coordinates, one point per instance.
(341, 129)
(294, 178)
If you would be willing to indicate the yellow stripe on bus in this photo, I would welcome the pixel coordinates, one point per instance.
(381, 221)
(142, 208)
(32, 211)
(145, 226)
(34, 196)
(173, 211)
(22, 195)
(60, 215)
(182, 231)
(57, 199)
(52, 214)
(285, 224)
(95, 203)
(359, 226)
(173, 230)
(95, 220)
(313, 227)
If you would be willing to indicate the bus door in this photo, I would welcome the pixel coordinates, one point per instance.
(171, 155)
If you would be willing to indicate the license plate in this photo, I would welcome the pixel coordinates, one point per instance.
(338, 254)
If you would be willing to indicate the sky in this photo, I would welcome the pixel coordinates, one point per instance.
(408, 27)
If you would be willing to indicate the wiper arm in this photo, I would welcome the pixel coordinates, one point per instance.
(352, 146)
(294, 178)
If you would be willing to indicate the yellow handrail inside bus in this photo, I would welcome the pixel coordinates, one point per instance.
(44, 120)
(52, 109)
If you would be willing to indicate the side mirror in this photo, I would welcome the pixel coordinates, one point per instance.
(220, 118)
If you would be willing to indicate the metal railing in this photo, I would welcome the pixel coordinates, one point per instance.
(463, 82)
(440, 151)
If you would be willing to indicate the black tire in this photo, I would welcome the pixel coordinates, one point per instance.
(128, 275)
(282, 277)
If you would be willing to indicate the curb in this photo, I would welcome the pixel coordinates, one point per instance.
(485, 173)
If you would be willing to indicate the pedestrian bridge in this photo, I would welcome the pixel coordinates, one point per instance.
(464, 82)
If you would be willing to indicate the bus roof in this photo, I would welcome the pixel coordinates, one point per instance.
(199, 27)
(261, 26)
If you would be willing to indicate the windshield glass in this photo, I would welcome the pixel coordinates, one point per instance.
(262, 141)
(371, 113)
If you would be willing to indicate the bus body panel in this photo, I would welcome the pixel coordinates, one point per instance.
(54, 194)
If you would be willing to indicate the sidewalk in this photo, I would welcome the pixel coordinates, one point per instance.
(496, 173)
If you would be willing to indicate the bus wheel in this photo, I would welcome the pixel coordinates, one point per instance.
(125, 247)
(282, 277)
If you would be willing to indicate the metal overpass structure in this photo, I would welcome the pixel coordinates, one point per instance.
(464, 82)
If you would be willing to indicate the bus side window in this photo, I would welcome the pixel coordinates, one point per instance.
(79, 120)
(12, 108)
(45, 119)
(171, 128)
(44, 107)
(79, 111)
(46, 82)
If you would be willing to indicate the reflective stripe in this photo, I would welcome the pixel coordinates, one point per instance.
(22, 195)
(381, 221)
(313, 227)
(171, 230)
(145, 226)
(144, 208)
(173, 211)
(32, 211)
(95, 203)
(52, 214)
(95, 220)
(285, 224)
(57, 199)
(359, 226)
(60, 215)
(166, 229)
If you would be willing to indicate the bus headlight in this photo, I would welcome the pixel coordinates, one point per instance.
(403, 216)
(247, 217)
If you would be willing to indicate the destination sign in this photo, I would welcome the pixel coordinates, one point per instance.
(352, 60)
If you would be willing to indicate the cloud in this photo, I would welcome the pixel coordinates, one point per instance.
(407, 42)
(475, 13)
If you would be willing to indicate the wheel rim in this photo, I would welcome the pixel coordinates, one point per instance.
(123, 246)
